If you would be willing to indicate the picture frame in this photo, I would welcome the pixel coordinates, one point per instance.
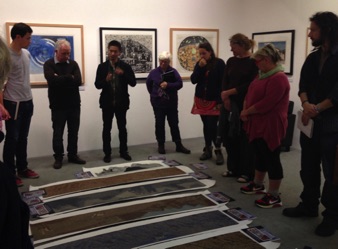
(139, 48)
(42, 44)
(184, 47)
(282, 40)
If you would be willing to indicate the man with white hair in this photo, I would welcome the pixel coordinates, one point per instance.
(163, 83)
(64, 78)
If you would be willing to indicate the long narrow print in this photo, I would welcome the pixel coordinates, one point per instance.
(95, 183)
(148, 234)
(124, 193)
(62, 226)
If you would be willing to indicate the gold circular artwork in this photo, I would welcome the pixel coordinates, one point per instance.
(187, 53)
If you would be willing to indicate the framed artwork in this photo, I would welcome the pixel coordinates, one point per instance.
(282, 40)
(183, 47)
(138, 48)
(42, 47)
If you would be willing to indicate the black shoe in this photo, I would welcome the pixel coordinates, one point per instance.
(326, 228)
(207, 154)
(57, 164)
(182, 149)
(76, 159)
(300, 211)
(219, 157)
(161, 149)
(107, 158)
(125, 156)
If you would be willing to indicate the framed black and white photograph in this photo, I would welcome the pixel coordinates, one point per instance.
(184, 47)
(283, 40)
(138, 48)
(42, 45)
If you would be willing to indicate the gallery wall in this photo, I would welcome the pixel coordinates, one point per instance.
(229, 16)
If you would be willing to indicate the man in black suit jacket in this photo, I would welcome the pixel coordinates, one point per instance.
(113, 77)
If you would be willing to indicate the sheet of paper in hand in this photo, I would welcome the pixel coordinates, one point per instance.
(306, 129)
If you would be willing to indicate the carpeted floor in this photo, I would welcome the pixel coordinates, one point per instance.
(294, 233)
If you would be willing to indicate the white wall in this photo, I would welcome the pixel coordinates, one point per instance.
(230, 16)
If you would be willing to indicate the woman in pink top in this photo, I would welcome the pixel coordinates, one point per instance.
(265, 121)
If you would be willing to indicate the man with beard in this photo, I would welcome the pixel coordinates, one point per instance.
(318, 92)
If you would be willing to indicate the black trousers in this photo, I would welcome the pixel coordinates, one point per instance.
(17, 130)
(240, 159)
(267, 160)
(310, 172)
(172, 116)
(209, 129)
(329, 143)
(60, 118)
(107, 117)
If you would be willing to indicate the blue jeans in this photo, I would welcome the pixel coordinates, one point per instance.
(17, 129)
(59, 119)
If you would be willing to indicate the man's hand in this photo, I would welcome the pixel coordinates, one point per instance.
(119, 71)
(109, 77)
(4, 113)
(310, 110)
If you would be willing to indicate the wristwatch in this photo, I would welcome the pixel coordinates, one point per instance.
(318, 109)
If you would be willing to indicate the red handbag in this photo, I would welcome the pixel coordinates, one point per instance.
(205, 107)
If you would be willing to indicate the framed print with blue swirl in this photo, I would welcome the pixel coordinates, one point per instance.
(42, 47)
(184, 47)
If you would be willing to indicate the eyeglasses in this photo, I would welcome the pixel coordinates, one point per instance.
(257, 61)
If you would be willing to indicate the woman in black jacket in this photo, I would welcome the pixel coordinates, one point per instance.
(208, 75)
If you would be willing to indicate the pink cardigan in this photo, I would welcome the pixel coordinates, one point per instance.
(270, 96)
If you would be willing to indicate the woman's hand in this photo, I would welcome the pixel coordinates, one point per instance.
(244, 115)
(227, 104)
(202, 62)
(164, 85)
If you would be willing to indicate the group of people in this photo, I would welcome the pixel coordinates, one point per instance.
(251, 94)
(243, 105)
(246, 108)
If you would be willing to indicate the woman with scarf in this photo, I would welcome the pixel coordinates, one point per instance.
(265, 121)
